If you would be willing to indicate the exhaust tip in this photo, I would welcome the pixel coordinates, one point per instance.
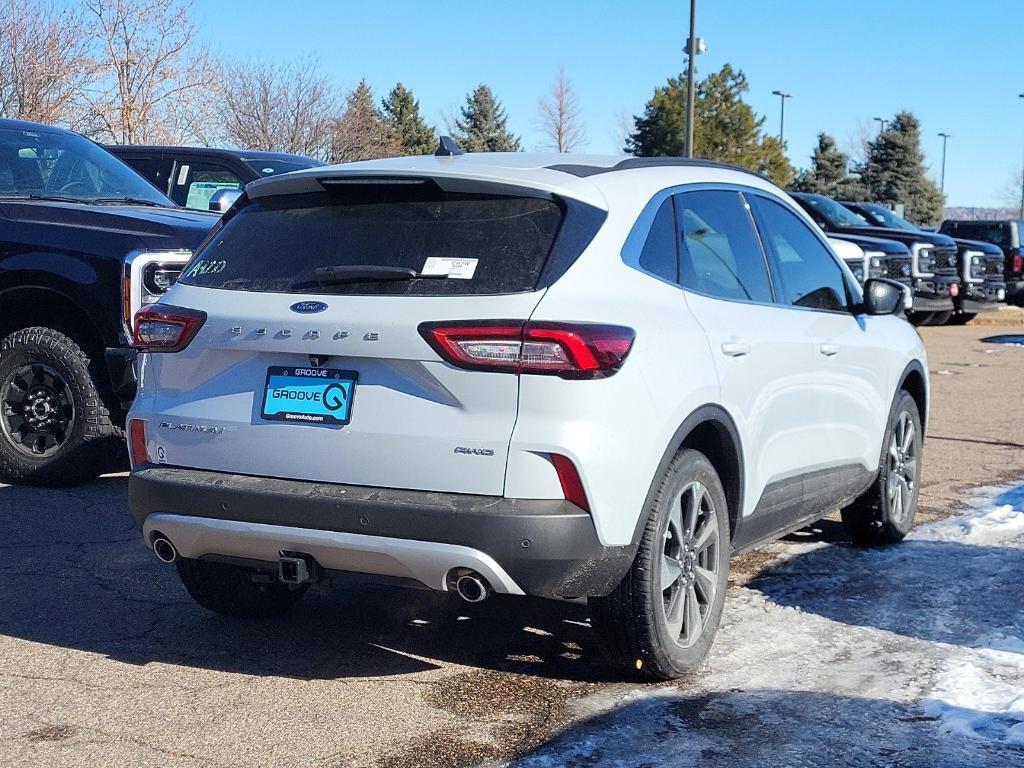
(472, 587)
(164, 550)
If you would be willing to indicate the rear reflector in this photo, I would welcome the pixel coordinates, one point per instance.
(569, 350)
(137, 442)
(569, 477)
(163, 328)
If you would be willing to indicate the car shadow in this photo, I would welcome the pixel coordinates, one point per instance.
(75, 574)
(765, 728)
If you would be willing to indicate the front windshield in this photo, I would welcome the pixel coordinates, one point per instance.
(66, 165)
(883, 217)
(276, 167)
(834, 213)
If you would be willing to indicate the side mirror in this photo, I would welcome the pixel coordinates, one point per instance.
(886, 297)
(223, 199)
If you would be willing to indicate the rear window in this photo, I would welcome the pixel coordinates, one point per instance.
(486, 244)
(995, 232)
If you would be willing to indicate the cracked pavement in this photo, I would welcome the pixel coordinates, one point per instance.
(104, 660)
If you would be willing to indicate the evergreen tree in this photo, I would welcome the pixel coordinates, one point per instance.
(483, 124)
(402, 114)
(361, 133)
(725, 128)
(894, 172)
(829, 174)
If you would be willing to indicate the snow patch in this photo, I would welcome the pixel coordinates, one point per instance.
(994, 514)
(974, 700)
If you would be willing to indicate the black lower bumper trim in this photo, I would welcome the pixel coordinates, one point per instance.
(121, 367)
(549, 547)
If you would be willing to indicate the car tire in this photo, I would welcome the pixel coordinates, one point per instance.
(919, 318)
(939, 318)
(55, 424)
(884, 514)
(659, 623)
(232, 590)
(962, 319)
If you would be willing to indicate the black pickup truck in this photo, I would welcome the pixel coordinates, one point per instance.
(982, 285)
(84, 242)
(1005, 234)
(933, 257)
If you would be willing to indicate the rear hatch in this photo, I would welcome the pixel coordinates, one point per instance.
(305, 296)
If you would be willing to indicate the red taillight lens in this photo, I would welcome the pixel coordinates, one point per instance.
(569, 477)
(163, 328)
(137, 442)
(569, 350)
(1017, 262)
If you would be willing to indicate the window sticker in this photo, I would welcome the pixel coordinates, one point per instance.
(457, 269)
(182, 175)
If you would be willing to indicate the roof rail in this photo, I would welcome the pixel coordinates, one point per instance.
(647, 162)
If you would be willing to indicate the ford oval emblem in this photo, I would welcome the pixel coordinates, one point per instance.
(308, 307)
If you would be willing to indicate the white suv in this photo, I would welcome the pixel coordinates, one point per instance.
(568, 376)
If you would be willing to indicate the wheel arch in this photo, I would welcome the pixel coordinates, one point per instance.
(915, 382)
(28, 306)
(711, 430)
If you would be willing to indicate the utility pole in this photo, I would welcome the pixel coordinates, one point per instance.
(1022, 182)
(691, 72)
(881, 124)
(942, 182)
(782, 113)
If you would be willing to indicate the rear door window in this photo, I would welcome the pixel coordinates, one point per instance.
(196, 182)
(485, 244)
(808, 274)
(995, 232)
(156, 170)
(719, 254)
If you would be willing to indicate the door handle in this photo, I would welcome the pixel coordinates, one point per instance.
(828, 348)
(735, 348)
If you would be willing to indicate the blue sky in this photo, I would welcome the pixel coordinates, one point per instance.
(958, 66)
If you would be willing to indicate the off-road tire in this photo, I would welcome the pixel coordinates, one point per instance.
(871, 520)
(962, 319)
(93, 442)
(629, 623)
(230, 590)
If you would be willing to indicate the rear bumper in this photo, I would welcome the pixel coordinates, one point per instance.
(547, 548)
(1015, 290)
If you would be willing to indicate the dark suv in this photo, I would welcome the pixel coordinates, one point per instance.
(84, 243)
(933, 257)
(1008, 235)
(982, 288)
(192, 175)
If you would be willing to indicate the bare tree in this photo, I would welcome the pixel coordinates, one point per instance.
(44, 65)
(153, 77)
(362, 133)
(287, 107)
(559, 116)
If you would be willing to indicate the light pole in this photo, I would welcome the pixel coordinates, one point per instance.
(782, 113)
(1021, 181)
(881, 124)
(942, 181)
(691, 71)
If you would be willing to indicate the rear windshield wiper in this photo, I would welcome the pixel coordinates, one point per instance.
(342, 274)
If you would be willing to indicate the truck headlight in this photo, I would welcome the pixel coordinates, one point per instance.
(876, 263)
(147, 276)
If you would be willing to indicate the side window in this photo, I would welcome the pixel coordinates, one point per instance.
(718, 250)
(156, 170)
(808, 274)
(659, 253)
(195, 183)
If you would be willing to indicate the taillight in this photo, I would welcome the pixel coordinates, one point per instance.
(137, 442)
(569, 350)
(569, 477)
(164, 328)
(1017, 262)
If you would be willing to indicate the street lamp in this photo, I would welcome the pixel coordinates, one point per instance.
(1021, 181)
(942, 182)
(694, 45)
(782, 113)
(881, 124)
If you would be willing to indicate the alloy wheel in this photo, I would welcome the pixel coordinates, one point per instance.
(902, 475)
(38, 410)
(689, 557)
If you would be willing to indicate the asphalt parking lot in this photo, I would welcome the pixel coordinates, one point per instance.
(104, 660)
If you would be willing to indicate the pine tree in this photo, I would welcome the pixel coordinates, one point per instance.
(894, 172)
(402, 114)
(361, 133)
(725, 128)
(483, 124)
(829, 174)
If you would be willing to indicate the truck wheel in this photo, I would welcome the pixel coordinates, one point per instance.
(920, 318)
(939, 318)
(884, 514)
(659, 623)
(55, 428)
(237, 591)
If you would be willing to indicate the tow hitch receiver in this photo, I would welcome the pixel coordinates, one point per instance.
(297, 568)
